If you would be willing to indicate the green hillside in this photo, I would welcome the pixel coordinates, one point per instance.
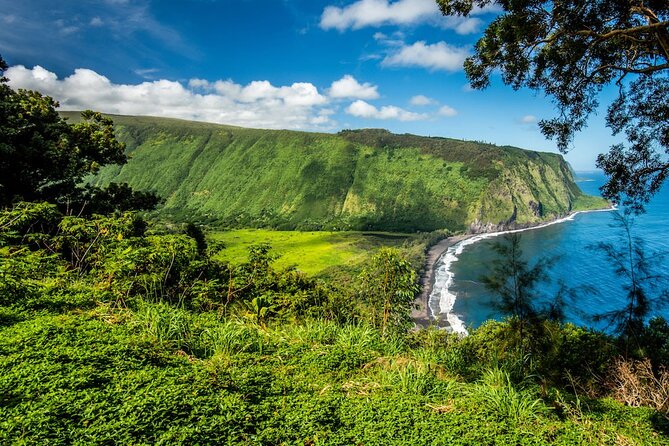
(366, 179)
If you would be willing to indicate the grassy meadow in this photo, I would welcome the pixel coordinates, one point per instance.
(314, 253)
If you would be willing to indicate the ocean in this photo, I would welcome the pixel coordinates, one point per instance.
(461, 298)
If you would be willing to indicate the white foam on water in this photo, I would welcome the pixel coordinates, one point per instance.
(442, 299)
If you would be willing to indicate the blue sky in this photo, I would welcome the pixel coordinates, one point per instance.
(296, 64)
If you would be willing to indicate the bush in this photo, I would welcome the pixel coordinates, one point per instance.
(636, 384)
(497, 394)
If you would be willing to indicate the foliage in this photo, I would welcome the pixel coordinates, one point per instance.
(643, 286)
(45, 158)
(115, 197)
(158, 374)
(571, 50)
(112, 333)
(655, 341)
(239, 178)
(515, 284)
(500, 396)
(196, 233)
(120, 262)
(389, 287)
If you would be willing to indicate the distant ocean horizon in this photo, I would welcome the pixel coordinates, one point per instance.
(579, 265)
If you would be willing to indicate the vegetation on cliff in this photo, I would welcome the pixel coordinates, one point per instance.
(365, 180)
(571, 51)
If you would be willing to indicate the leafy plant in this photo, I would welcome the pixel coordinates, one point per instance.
(498, 395)
(389, 287)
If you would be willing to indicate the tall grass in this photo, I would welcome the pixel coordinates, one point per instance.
(410, 376)
(358, 337)
(166, 325)
(312, 332)
(233, 337)
(200, 335)
(497, 394)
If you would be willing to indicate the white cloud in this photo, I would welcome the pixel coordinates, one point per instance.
(528, 119)
(364, 13)
(349, 87)
(375, 13)
(363, 109)
(421, 100)
(463, 25)
(437, 56)
(66, 28)
(395, 39)
(146, 73)
(96, 21)
(366, 57)
(448, 111)
(257, 104)
(198, 83)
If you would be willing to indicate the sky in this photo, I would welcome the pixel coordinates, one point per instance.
(316, 65)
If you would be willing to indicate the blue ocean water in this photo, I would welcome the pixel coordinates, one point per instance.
(579, 264)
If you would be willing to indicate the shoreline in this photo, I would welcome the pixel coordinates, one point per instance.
(422, 316)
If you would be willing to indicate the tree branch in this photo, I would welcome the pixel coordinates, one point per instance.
(626, 31)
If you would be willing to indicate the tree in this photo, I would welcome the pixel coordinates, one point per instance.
(389, 287)
(642, 284)
(44, 158)
(196, 233)
(515, 283)
(116, 197)
(571, 49)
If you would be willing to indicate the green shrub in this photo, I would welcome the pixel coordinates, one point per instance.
(497, 395)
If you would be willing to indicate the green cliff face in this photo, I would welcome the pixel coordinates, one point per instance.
(535, 187)
(368, 179)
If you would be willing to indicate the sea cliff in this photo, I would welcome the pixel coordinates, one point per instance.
(364, 179)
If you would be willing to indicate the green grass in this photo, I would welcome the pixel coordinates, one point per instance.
(310, 252)
(108, 377)
(154, 342)
(588, 202)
